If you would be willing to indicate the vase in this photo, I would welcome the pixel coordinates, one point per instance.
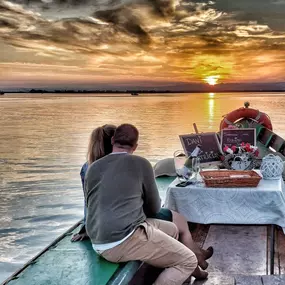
(243, 161)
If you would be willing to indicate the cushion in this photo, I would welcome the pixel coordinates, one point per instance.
(164, 167)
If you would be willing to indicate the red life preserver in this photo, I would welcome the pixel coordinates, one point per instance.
(246, 113)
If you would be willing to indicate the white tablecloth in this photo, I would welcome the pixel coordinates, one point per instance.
(264, 204)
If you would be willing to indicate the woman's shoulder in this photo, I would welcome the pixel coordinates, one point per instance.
(84, 169)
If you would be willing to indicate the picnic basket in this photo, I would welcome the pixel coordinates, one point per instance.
(230, 178)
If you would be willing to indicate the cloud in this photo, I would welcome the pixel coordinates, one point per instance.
(61, 37)
(268, 12)
(7, 23)
(163, 8)
(181, 39)
(125, 21)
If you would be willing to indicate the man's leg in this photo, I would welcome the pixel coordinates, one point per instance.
(156, 248)
(167, 227)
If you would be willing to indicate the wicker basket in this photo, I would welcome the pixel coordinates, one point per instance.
(230, 178)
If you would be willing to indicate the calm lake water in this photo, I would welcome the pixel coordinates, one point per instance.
(43, 143)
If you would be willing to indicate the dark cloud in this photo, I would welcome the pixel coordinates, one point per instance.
(212, 42)
(162, 8)
(269, 12)
(5, 23)
(123, 20)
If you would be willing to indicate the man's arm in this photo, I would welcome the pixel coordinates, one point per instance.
(152, 202)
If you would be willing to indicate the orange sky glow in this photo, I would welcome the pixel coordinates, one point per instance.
(161, 42)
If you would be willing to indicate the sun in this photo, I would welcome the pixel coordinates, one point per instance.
(212, 80)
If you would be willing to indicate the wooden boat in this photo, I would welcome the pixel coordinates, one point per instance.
(63, 262)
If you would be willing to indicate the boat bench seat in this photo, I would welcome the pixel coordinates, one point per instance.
(68, 263)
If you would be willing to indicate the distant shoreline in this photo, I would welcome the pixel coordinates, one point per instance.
(134, 91)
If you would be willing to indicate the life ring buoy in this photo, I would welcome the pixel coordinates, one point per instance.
(246, 113)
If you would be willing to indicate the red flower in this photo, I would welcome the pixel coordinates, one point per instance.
(247, 149)
(234, 148)
(232, 127)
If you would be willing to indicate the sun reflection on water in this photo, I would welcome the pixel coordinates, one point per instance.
(211, 106)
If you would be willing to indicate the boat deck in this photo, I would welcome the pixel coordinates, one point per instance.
(241, 256)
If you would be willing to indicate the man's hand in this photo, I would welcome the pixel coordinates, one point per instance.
(79, 237)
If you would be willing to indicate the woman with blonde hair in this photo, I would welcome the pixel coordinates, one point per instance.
(100, 145)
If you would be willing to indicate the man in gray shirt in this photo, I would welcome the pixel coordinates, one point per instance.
(120, 193)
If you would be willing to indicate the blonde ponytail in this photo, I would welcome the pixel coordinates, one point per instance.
(100, 142)
(96, 145)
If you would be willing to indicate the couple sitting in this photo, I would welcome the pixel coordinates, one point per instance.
(124, 219)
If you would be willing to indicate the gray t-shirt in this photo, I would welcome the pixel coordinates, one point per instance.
(120, 191)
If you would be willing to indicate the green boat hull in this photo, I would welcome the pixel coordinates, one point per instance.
(67, 263)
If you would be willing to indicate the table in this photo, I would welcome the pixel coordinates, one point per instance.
(264, 205)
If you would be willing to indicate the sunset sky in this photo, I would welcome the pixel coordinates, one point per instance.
(140, 43)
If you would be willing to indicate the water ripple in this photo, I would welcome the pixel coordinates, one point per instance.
(43, 144)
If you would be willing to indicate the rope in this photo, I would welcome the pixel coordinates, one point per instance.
(258, 116)
(228, 121)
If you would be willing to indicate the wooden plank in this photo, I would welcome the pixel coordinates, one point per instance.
(282, 151)
(277, 143)
(266, 136)
(258, 128)
(199, 234)
(146, 275)
(215, 280)
(248, 280)
(273, 280)
(281, 250)
(276, 254)
(237, 250)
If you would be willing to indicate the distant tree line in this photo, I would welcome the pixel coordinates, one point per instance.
(138, 91)
(99, 91)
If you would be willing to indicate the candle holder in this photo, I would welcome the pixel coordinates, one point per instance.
(271, 167)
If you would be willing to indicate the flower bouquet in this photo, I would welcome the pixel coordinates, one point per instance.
(241, 157)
